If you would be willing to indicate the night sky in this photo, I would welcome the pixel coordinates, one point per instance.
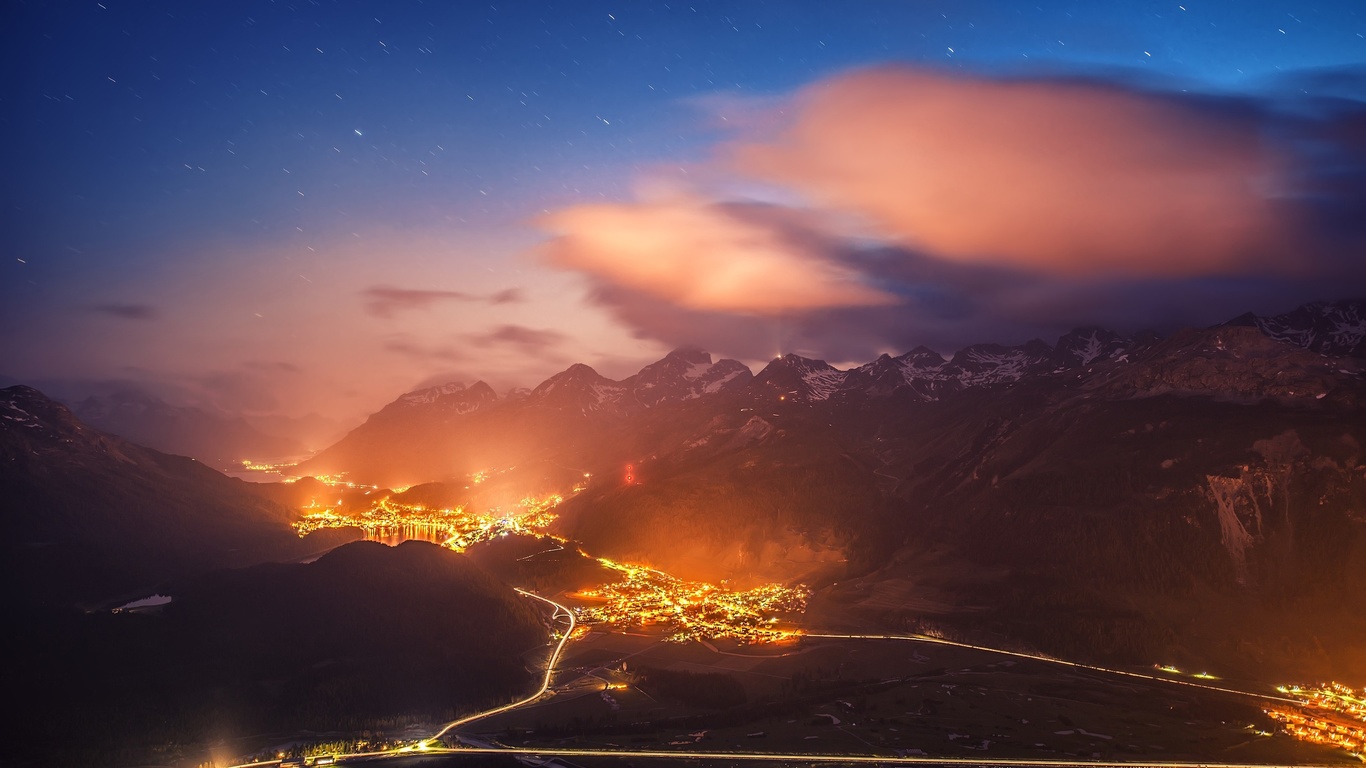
(315, 206)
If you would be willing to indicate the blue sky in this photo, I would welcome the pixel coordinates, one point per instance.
(204, 199)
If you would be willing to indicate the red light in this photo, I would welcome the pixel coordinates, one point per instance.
(630, 474)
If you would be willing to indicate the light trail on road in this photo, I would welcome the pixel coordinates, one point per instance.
(431, 746)
(545, 684)
(879, 759)
(1050, 660)
(423, 747)
(426, 747)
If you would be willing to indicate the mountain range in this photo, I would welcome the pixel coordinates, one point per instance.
(91, 514)
(241, 638)
(424, 435)
(1194, 497)
(219, 439)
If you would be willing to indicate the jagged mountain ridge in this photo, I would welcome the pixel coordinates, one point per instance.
(450, 430)
(1104, 496)
(1329, 328)
(1161, 486)
(1335, 329)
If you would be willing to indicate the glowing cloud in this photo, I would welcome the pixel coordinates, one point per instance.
(528, 340)
(385, 301)
(704, 256)
(1049, 176)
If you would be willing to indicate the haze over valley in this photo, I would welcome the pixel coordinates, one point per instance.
(593, 385)
(700, 505)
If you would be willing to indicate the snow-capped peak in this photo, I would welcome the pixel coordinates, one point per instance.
(431, 394)
(1337, 328)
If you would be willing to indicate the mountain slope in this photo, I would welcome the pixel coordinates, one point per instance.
(218, 440)
(1330, 328)
(91, 514)
(685, 374)
(575, 421)
(366, 636)
(1195, 498)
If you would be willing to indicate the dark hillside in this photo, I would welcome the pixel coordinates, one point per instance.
(367, 637)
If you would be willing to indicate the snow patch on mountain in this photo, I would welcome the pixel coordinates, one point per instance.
(1091, 348)
(697, 370)
(716, 385)
(820, 385)
(19, 414)
(987, 364)
(603, 392)
(1328, 328)
(431, 394)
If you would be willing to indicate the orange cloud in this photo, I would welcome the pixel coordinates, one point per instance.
(704, 256)
(1058, 177)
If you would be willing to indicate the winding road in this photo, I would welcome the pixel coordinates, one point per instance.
(432, 746)
(545, 684)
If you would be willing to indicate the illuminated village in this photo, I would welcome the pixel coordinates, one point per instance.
(643, 597)
(455, 528)
(692, 610)
(1331, 714)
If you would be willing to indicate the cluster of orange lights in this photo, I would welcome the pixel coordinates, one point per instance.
(455, 528)
(335, 481)
(1331, 714)
(641, 597)
(692, 610)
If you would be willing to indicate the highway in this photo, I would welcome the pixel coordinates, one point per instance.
(846, 759)
(425, 746)
(798, 757)
(1061, 662)
(545, 684)
(431, 745)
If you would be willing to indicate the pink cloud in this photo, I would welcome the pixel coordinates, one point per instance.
(386, 301)
(532, 341)
(704, 256)
(1055, 177)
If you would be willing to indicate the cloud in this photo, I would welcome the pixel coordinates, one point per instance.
(128, 311)
(408, 348)
(528, 340)
(507, 296)
(955, 305)
(704, 255)
(910, 207)
(1063, 177)
(385, 301)
(467, 347)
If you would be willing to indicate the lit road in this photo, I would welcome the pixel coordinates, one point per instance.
(425, 746)
(545, 684)
(431, 745)
(1061, 662)
(827, 758)
(806, 757)
(428, 747)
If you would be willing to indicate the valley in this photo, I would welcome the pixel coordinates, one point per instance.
(894, 562)
(608, 384)
(642, 624)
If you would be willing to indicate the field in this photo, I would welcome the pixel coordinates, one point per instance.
(883, 697)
